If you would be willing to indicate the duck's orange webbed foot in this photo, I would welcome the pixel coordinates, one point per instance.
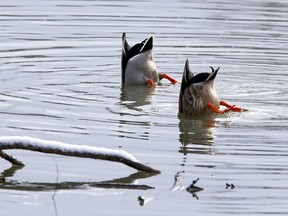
(216, 109)
(232, 107)
(173, 81)
(150, 83)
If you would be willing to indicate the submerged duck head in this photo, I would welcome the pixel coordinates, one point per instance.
(137, 63)
(196, 91)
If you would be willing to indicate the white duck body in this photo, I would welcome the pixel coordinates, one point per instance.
(140, 69)
(138, 65)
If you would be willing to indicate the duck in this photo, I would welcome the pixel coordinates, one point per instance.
(137, 64)
(198, 96)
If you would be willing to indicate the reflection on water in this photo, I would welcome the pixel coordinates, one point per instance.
(133, 97)
(128, 182)
(196, 132)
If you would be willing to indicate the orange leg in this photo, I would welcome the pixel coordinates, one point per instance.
(169, 78)
(232, 107)
(216, 109)
(150, 83)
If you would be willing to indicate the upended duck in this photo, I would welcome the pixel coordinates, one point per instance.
(198, 96)
(138, 66)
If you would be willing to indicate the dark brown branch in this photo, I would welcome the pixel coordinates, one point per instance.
(67, 150)
(11, 159)
(15, 185)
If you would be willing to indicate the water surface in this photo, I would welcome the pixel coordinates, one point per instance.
(60, 80)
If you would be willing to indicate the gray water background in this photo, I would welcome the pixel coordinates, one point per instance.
(60, 80)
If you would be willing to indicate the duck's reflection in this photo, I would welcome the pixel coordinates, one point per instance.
(120, 183)
(133, 97)
(196, 134)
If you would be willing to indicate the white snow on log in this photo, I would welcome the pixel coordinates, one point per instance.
(29, 141)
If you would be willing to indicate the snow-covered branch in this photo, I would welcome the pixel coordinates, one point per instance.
(54, 147)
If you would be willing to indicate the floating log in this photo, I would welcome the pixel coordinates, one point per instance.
(59, 148)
